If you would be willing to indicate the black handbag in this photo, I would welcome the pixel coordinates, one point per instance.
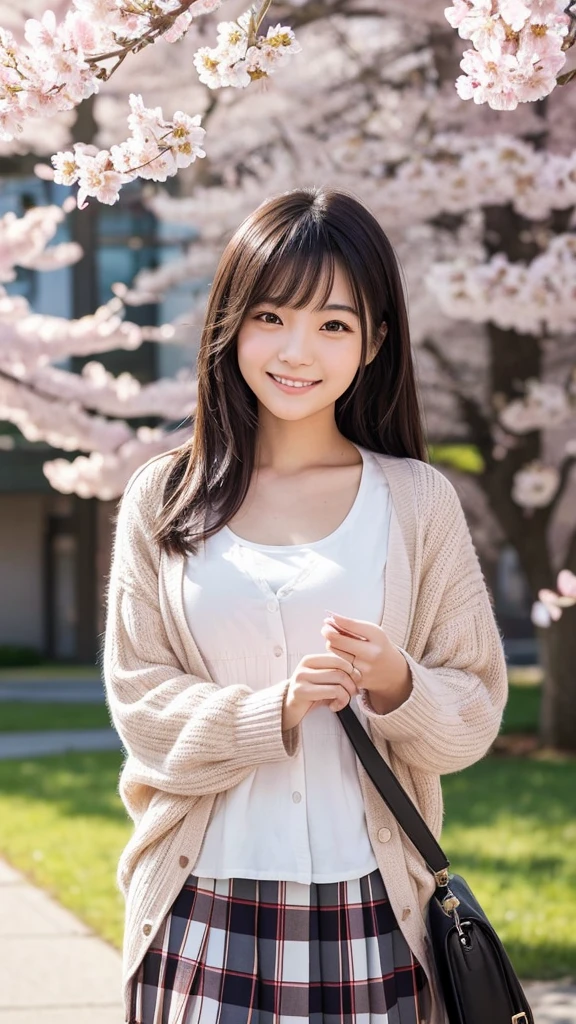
(478, 982)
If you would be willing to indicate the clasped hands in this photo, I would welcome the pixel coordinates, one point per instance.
(365, 660)
(376, 664)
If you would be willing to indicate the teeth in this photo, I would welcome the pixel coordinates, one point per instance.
(293, 383)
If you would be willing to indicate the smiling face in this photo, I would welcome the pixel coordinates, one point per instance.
(298, 362)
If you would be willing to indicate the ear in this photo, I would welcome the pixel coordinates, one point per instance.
(377, 342)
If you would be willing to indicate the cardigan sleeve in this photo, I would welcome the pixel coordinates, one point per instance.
(185, 735)
(459, 684)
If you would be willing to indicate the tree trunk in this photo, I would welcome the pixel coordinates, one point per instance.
(558, 656)
(516, 357)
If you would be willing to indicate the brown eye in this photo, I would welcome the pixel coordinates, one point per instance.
(338, 323)
(258, 315)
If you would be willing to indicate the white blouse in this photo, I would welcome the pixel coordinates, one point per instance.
(255, 610)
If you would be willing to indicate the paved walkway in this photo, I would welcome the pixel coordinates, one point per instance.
(57, 741)
(50, 691)
(53, 969)
(552, 1002)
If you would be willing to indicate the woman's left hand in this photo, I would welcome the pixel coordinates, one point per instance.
(379, 667)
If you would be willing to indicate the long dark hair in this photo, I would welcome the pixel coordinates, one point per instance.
(285, 249)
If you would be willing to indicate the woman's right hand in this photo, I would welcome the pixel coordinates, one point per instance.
(319, 679)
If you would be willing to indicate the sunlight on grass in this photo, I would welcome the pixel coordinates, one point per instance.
(510, 829)
(64, 826)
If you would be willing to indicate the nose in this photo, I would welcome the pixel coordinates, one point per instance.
(296, 350)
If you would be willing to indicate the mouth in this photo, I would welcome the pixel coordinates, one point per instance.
(292, 385)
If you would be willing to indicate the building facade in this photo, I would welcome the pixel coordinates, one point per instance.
(55, 548)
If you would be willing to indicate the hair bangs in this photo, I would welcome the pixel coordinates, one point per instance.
(296, 273)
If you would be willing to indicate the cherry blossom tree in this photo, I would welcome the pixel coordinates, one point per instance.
(479, 200)
(62, 61)
(71, 411)
(67, 53)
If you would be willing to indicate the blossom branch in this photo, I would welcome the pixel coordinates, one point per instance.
(60, 65)
(518, 49)
(160, 23)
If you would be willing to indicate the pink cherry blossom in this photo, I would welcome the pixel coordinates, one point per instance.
(535, 485)
(550, 605)
(456, 14)
(566, 584)
(43, 34)
(519, 49)
(514, 13)
(97, 177)
(550, 601)
(179, 28)
(239, 59)
(65, 168)
(61, 63)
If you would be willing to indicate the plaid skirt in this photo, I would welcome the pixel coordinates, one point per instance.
(243, 951)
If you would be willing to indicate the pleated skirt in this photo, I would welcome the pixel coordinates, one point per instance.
(243, 951)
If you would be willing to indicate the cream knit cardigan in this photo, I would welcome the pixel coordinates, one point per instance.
(188, 739)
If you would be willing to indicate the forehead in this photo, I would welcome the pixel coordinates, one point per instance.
(303, 279)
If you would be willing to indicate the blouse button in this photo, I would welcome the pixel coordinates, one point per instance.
(147, 928)
(278, 651)
(272, 606)
(384, 834)
(183, 862)
(296, 796)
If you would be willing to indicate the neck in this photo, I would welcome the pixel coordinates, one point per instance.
(287, 447)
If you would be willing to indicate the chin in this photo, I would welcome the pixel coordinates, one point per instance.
(290, 413)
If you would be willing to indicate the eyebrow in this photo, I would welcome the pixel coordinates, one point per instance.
(335, 305)
(332, 305)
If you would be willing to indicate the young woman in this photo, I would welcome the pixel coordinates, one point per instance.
(296, 555)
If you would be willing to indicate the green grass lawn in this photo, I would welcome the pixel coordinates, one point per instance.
(523, 708)
(64, 826)
(49, 671)
(510, 829)
(521, 713)
(23, 717)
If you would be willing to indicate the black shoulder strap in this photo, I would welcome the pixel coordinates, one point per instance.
(402, 807)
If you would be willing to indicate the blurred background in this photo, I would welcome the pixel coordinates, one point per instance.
(480, 207)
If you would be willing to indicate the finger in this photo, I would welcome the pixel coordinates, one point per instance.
(332, 659)
(338, 705)
(330, 695)
(361, 629)
(350, 648)
(355, 671)
(327, 679)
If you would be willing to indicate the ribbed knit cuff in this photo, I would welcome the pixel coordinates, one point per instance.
(419, 711)
(259, 726)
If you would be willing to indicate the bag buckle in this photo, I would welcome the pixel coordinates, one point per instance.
(464, 938)
(520, 1018)
(450, 902)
